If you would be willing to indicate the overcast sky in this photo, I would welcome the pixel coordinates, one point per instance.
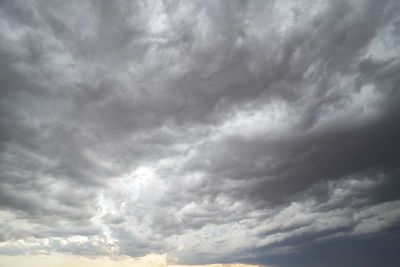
(204, 132)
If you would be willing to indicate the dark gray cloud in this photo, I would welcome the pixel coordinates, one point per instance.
(252, 131)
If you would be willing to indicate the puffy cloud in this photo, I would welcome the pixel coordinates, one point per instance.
(241, 131)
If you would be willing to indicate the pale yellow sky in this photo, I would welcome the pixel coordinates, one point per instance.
(62, 260)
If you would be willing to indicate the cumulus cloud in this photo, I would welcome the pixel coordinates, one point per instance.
(244, 131)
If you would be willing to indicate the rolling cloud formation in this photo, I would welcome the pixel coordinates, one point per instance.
(213, 131)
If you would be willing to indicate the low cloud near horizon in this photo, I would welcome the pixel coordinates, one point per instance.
(210, 132)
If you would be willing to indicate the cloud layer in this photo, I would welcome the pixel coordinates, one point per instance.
(213, 131)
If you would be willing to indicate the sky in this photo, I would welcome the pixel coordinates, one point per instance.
(177, 133)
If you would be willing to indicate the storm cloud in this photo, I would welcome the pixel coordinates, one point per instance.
(261, 132)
